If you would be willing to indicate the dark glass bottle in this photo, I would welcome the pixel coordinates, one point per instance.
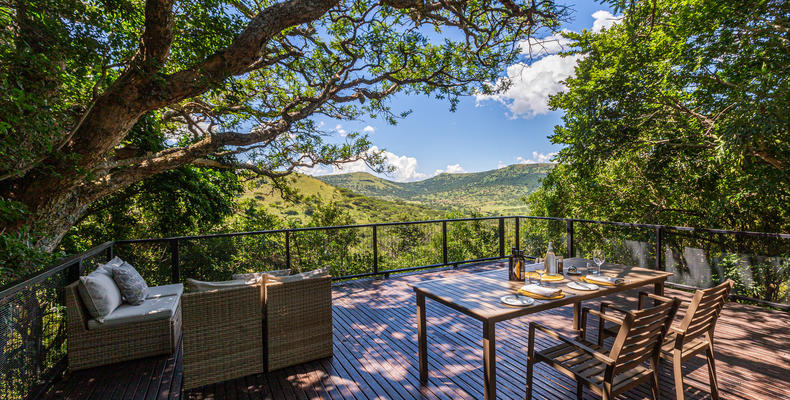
(512, 268)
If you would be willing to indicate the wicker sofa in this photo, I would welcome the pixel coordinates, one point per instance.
(92, 345)
(236, 332)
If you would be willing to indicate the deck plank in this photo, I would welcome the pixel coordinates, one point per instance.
(376, 356)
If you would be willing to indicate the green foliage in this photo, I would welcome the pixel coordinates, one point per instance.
(678, 115)
(18, 256)
(184, 201)
(767, 279)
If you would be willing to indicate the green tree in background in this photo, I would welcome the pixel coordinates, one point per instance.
(235, 85)
(678, 114)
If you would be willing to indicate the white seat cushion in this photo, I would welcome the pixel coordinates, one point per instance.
(155, 292)
(195, 285)
(316, 273)
(262, 275)
(150, 310)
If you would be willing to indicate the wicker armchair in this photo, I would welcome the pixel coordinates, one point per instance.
(94, 347)
(222, 335)
(298, 321)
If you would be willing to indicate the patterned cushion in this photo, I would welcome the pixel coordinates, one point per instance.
(99, 294)
(132, 285)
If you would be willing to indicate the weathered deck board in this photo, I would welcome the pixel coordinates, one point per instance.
(376, 351)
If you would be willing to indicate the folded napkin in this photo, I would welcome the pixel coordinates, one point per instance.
(605, 280)
(541, 290)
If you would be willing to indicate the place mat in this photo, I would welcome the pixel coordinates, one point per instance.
(539, 297)
(546, 278)
(603, 280)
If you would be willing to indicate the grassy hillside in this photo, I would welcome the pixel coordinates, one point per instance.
(311, 192)
(497, 191)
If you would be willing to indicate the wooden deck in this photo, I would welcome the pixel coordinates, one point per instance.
(376, 356)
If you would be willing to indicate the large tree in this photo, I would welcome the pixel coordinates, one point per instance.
(678, 114)
(229, 84)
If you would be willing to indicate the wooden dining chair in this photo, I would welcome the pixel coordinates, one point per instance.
(693, 335)
(638, 341)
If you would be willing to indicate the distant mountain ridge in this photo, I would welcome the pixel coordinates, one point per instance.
(496, 191)
(313, 193)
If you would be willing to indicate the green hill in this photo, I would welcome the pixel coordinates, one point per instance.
(497, 191)
(311, 192)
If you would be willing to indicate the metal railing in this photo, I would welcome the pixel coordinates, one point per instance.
(32, 333)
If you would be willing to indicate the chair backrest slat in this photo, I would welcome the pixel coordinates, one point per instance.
(641, 334)
(704, 310)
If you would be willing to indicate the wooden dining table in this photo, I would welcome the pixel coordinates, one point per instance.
(478, 295)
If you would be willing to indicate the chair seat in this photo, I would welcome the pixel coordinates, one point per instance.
(155, 292)
(150, 310)
(577, 363)
(689, 349)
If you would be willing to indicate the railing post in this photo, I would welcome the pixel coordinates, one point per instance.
(110, 252)
(175, 270)
(74, 272)
(569, 238)
(375, 251)
(660, 249)
(444, 242)
(518, 233)
(288, 249)
(502, 237)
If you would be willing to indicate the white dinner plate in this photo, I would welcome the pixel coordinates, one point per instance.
(517, 300)
(583, 286)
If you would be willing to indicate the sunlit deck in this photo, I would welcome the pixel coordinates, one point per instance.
(376, 356)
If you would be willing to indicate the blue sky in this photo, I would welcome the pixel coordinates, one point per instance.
(482, 134)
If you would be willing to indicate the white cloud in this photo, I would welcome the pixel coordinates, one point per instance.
(451, 169)
(369, 129)
(500, 165)
(545, 46)
(533, 83)
(604, 20)
(537, 158)
(339, 129)
(405, 168)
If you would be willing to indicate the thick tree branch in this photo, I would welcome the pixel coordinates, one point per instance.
(245, 50)
(158, 35)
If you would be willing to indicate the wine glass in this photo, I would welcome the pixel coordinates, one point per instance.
(540, 273)
(599, 258)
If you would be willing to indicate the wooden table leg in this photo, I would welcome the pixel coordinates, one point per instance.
(577, 316)
(658, 288)
(422, 343)
(489, 360)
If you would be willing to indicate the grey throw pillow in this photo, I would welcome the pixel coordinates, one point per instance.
(132, 285)
(99, 293)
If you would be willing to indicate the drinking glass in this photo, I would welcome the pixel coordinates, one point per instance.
(540, 276)
(599, 258)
